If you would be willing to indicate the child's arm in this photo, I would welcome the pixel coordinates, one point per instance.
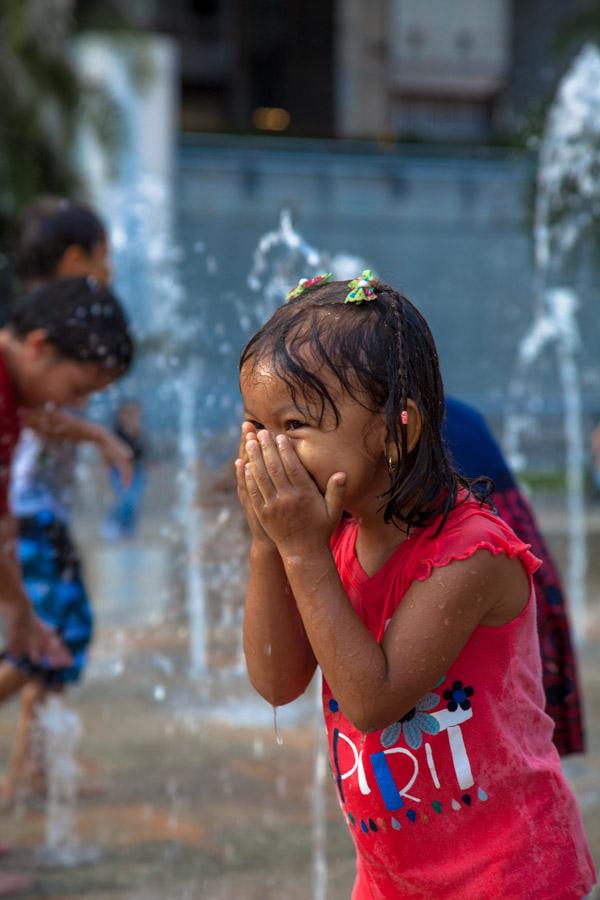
(57, 424)
(26, 634)
(375, 684)
(279, 658)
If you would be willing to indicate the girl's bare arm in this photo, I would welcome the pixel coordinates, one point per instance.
(57, 424)
(279, 658)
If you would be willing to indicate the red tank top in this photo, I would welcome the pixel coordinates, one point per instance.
(464, 796)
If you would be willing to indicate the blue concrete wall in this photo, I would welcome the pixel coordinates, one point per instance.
(452, 230)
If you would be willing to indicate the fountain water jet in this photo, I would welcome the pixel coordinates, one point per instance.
(567, 204)
(58, 731)
(282, 257)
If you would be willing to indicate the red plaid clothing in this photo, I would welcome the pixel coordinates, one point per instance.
(559, 669)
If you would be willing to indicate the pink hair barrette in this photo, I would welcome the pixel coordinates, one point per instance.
(305, 284)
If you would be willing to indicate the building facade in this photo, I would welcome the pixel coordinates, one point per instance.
(432, 70)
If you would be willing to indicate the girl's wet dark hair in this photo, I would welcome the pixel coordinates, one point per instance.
(48, 227)
(383, 354)
(83, 321)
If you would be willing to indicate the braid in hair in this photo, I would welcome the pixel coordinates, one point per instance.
(402, 359)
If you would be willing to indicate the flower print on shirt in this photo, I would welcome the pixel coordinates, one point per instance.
(457, 696)
(413, 723)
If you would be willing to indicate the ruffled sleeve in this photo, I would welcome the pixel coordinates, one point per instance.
(468, 530)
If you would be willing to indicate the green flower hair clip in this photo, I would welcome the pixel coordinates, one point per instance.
(362, 289)
(305, 284)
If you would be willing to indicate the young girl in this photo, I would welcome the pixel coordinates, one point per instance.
(371, 559)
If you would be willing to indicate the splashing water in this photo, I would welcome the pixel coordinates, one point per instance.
(191, 522)
(283, 256)
(58, 733)
(567, 204)
(146, 264)
(278, 736)
(134, 192)
(319, 861)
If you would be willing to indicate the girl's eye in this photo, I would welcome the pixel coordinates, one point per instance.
(294, 424)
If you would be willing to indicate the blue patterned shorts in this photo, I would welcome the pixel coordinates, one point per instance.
(51, 573)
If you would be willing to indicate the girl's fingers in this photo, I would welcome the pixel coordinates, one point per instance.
(252, 490)
(295, 471)
(334, 496)
(240, 477)
(272, 461)
(259, 472)
(245, 500)
(247, 428)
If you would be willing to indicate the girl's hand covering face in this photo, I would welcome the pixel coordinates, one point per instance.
(284, 499)
(259, 535)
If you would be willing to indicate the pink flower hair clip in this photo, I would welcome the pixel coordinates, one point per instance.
(305, 284)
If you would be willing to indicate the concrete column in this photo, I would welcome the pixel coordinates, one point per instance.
(361, 63)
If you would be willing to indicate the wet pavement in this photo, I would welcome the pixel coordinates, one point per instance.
(185, 791)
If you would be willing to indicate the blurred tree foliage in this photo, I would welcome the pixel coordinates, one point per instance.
(583, 26)
(42, 96)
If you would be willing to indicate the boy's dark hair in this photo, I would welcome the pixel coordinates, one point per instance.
(83, 320)
(47, 228)
(383, 353)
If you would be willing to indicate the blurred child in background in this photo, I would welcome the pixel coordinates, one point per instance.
(64, 341)
(57, 238)
(475, 452)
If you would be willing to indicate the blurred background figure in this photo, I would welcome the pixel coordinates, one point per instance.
(476, 452)
(123, 516)
(62, 342)
(56, 239)
(59, 238)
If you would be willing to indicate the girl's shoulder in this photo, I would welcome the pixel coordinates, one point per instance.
(470, 527)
